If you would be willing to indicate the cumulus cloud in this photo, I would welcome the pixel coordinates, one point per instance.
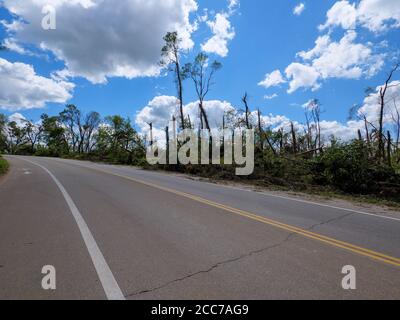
(222, 31)
(158, 111)
(344, 59)
(371, 104)
(299, 9)
(375, 15)
(18, 118)
(302, 76)
(21, 88)
(104, 38)
(233, 5)
(341, 14)
(161, 109)
(272, 79)
(344, 132)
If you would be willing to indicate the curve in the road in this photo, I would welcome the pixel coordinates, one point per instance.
(303, 232)
(107, 279)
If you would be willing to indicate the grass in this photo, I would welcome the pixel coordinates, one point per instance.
(315, 192)
(3, 165)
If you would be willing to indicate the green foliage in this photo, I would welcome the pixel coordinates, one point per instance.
(344, 166)
(3, 165)
(3, 138)
(349, 168)
(118, 142)
(53, 137)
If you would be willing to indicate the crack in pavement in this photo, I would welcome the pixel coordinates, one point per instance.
(243, 256)
(215, 266)
(330, 221)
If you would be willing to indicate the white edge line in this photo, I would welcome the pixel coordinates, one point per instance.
(110, 285)
(320, 204)
(258, 192)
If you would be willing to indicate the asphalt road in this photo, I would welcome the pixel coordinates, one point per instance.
(114, 232)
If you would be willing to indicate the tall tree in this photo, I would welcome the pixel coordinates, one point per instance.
(202, 74)
(171, 57)
(382, 96)
(247, 110)
(3, 138)
(71, 118)
(90, 126)
(54, 135)
(16, 137)
(33, 133)
(396, 120)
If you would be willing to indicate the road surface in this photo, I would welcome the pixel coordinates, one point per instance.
(115, 232)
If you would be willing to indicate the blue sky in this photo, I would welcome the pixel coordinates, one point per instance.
(267, 37)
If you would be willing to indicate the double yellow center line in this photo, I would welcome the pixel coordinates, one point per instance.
(292, 229)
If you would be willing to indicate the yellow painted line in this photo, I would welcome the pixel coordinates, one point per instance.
(308, 234)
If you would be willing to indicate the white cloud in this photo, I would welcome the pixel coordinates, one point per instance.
(272, 79)
(375, 15)
(302, 76)
(345, 59)
(161, 109)
(270, 97)
(223, 32)
(299, 9)
(18, 118)
(378, 15)
(371, 104)
(12, 45)
(345, 132)
(21, 88)
(104, 38)
(341, 14)
(233, 5)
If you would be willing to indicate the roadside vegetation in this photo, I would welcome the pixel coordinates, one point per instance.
(3, 166)
(290, 158)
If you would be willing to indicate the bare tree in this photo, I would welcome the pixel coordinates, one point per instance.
(260, 130)
(151, 134)
(170, 56)
(396, 120)
(202, 74)
(313, 122)
(382, 96)
(247, 110)
(294, 139)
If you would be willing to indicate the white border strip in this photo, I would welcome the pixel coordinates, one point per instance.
(110, 285)
(315, 203)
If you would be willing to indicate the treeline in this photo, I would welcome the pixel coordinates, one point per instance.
(73, 134)
(288, 157)
(293, 156)
(298, 158)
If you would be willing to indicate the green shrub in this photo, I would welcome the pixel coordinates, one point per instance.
(3, 165)
(350, 168)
